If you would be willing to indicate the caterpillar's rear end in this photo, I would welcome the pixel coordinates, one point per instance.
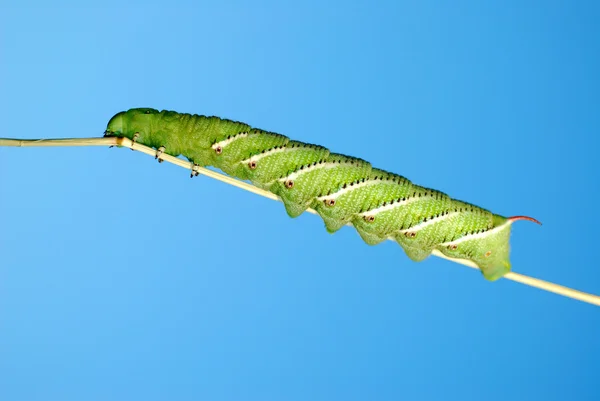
(342, 189)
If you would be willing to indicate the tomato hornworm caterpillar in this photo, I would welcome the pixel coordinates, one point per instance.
(342, 189)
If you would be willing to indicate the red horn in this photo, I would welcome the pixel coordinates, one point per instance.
(515, 218)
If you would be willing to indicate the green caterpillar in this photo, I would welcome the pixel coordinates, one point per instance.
(342, 189)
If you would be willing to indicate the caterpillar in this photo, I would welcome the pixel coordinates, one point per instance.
(343, 190)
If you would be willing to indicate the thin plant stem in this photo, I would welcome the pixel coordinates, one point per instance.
(128, 143)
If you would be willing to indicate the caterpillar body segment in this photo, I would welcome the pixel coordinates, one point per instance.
(266, 168)
(415, 203)
(229, 152)
(343, 206)
(342, 189)
(487, 248)
(299, 189)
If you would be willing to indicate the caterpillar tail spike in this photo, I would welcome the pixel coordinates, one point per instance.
(526, 218)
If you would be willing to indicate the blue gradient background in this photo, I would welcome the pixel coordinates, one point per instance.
(122, 279)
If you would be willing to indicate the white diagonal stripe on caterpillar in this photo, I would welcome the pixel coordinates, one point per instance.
(390, 206)
(227, 141)
(434, 220)
(349, 188)
(282, 148)
(478, 235)
(308, 168)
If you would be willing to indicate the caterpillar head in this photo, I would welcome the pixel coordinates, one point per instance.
(131, 122)
(489, 250)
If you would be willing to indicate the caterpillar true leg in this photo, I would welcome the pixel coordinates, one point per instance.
(159, 153)
(134, 139)
(195, 170)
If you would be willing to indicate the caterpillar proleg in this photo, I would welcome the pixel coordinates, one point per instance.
(344, 190)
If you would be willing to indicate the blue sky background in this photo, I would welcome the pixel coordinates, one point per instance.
(122, 279)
